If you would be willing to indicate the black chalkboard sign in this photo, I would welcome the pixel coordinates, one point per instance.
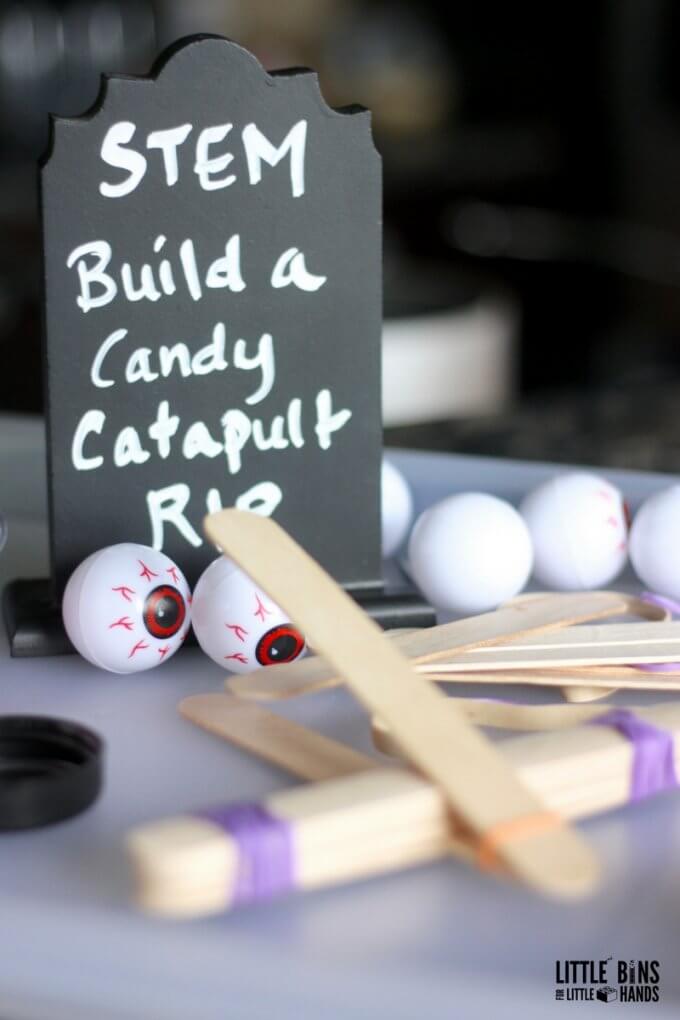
(212, 247)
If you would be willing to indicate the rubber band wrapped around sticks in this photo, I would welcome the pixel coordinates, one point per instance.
(653, 765)
(264, 846)
(508, 831)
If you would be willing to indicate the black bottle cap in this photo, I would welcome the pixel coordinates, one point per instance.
(50, 769)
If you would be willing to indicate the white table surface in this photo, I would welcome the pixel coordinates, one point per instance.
(436, 941)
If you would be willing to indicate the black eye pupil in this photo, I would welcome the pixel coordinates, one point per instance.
(283, 647)
(164, 611)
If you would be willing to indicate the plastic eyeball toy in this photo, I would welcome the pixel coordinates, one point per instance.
(126, 608)
(579, 527)
(396, 504)
(655, 542)
(470, 552)
(238, 626)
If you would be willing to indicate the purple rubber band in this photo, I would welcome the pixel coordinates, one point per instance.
(265, 850)
(658, 667)
(653, 768)
(673, 607)
(661, 600)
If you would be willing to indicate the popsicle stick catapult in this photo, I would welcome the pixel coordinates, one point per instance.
(498, 812)
(497, 816)
(503, 809)
(358, 818)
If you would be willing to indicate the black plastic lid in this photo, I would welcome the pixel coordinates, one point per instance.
(50, 769)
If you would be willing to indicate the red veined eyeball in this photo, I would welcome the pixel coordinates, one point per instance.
(579, 530)
(237, 624)
(126, 608)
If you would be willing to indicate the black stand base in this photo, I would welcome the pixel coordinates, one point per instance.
(399, 608)
(34, 627)
(33, 620)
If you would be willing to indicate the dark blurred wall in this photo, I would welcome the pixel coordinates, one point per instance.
(535, 145)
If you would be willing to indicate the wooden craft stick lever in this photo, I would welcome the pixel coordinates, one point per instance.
(297, 749)
(470, 773)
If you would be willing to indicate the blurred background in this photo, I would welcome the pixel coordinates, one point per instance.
(532, 208)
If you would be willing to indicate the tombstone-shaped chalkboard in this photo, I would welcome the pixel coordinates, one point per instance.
(212, 240)
(212, 265)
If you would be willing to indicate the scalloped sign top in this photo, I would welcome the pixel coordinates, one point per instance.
(212, 247)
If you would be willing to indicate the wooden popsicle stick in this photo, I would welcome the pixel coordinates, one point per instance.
(543, 613)
(612, 672)
(630, 680)
(467, 769)
(607, 675)
(526, 615)
(597, 635)
(640, 607)
(604, 679)
(379, 820)
(611, 644)
(284, 743)
(636, 607)
(308, 754)
(566, 658)
(506, 716)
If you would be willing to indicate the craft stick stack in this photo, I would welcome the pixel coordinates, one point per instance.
(534, 642)
(353, 826)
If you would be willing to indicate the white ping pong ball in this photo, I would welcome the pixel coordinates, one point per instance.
(579, 528)
(470, 553)
(396, 508)
(127, 608)
(655, 542)
(237, 625)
